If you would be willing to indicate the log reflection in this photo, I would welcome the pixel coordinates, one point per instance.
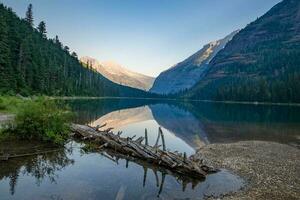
(159, 172)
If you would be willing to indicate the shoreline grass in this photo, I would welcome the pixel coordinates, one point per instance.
(36, 118)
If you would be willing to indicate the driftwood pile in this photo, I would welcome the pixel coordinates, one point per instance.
(135, 148)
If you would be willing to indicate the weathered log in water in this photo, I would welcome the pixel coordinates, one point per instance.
(173, 161)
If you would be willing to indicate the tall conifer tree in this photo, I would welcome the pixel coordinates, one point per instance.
(42, 28)
(29, 15)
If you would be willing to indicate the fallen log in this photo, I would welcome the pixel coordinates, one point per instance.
(172, 161)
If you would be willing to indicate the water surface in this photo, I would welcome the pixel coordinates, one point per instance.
(71, 173)
(195, 123)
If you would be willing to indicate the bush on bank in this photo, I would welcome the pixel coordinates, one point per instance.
(40, 119)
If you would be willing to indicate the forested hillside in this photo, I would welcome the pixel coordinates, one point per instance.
(31, 64)
(261, 62)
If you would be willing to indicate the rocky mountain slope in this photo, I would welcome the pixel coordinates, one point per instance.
(188, 72)
(119, 74)
(261, 62)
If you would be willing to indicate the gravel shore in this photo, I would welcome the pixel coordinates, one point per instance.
(271, 170)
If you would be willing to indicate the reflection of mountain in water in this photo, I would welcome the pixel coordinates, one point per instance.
(89, 110)
(124, 117)
(180, 122)
(176, 120)
(134, 121)
(198, 123)
(237, 122)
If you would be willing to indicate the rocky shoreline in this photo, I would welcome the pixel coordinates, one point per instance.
(271, 170)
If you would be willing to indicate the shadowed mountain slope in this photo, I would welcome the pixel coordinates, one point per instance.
(260, 63)
(188, 72)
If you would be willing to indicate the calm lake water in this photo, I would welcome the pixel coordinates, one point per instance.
(71, 173)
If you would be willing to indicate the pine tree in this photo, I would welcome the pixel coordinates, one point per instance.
(42, 28)
(56, 41)
(67, 49)
(29, 15)
(5, 67)
(74, 54)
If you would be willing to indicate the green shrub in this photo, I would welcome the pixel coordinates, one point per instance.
(41, 119)
(9, 104)
(2, 105)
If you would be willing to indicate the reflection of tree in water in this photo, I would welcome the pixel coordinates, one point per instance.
(39, 166)
(13, 181)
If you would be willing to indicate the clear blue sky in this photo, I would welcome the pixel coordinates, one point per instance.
(146, 36)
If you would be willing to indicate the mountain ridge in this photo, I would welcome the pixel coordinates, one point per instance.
(260, 63)
(119, 74)
(186, 73)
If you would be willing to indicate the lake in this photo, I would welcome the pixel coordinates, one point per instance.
(71, 173)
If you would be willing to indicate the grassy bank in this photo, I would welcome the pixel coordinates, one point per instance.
(10, 104)
(36, 118)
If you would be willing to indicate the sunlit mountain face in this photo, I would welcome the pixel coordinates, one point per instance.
(119, 74)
